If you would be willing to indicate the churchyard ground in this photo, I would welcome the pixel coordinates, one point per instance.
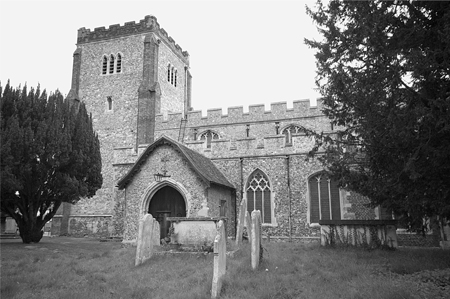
(64, 267)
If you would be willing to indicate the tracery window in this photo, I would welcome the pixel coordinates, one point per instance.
(288, 131)
(208, 136)
(259, 195)
(105, 65)
(119, 63)
(324, 197)
(111, 64)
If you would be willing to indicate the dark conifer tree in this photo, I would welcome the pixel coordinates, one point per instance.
(384, 74)
(49, 155)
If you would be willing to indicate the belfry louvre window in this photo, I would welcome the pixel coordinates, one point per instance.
(105, 65)
(208, 136)
(119, 63)
(325, 203)
(259, 195)
(111, 64)
(288, 131)
(168, 73)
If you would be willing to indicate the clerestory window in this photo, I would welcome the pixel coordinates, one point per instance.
(207, 136)
(259, 195)
(289, 131)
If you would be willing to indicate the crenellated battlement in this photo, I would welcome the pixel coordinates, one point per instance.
(148, 24)
(256, 113)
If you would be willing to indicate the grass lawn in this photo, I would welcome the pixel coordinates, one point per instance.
(85, 268)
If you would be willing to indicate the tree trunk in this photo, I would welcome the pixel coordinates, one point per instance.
(30, 232)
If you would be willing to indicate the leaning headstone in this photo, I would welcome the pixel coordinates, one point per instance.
(220, 263)
(256, 238)
(145, 240)
(156, 233)
(241, 221)
(248, 225)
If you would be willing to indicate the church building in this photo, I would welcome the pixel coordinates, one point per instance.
(160, 156)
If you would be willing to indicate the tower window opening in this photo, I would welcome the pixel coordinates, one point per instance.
(109, 99)
(105, 65)
(119, 63)
(171, 76)
(111, 64)
(208, 136)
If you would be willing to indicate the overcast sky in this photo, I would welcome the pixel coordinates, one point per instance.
(241, 52)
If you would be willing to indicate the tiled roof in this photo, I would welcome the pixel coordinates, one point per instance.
(203, 166)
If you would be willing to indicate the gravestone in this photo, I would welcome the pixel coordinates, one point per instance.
(241, 221)
(156, 234)
(145, 239)
(248, 225)
(220, 263)
(11, 226)
(256, 238)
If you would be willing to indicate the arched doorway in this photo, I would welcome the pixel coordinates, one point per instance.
(167, 202)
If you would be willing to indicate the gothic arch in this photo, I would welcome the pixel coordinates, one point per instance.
(155, 187)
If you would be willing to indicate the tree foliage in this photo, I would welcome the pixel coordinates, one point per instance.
(384, 74)
(49, 155)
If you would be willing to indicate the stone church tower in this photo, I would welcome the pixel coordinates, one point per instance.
(126, 75)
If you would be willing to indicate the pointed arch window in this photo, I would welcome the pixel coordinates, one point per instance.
(171, 75)
(259, 195)
(119, 63)
(207, 136)
(289, 131)
(111, 64)
(324, 198)
(105, 65)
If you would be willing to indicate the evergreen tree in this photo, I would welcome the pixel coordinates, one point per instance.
(49, 155)
(384, 74)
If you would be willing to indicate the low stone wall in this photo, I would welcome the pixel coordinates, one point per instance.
(371, 233)
(84, 225)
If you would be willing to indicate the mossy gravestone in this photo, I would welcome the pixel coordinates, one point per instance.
(146, 239)
(220, 262)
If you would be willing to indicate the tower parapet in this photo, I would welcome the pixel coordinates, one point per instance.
(148, 24)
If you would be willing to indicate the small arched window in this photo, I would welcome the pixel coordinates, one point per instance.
(324, 197)
(208, 136)
(109, 100)
(289, 131)
(111, 64)
(105, 65)
(119, 63)
(259, 195)
(171, 75)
